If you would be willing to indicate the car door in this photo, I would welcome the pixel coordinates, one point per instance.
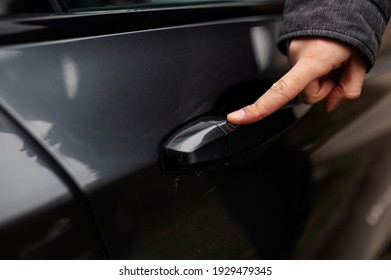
(104, 88)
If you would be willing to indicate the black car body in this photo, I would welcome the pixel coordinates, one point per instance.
(89, 96)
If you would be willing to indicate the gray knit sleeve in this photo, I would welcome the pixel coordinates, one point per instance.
(360, 23)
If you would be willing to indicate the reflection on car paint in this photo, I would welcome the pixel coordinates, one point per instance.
(71, 77)
(37, 210)
(8, 55)
(47, 188)
(263, 47)
(102, 109)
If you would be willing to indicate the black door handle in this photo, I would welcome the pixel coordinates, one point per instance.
(212, 140)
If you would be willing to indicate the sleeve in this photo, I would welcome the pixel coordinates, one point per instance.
(360, 23)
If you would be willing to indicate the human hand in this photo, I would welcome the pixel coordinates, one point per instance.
(322, 69)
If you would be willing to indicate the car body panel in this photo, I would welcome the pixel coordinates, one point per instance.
(99, 93)
(102, 118)
(39, 215)
(107, 103)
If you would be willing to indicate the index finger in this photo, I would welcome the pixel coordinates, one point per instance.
(280, 93)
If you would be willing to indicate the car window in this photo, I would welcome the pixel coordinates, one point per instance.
(106, 5)
(41, 7)
(15, 7)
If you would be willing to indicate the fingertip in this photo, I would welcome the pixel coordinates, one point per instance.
(236, 116)
(330, 109)
(332, 105)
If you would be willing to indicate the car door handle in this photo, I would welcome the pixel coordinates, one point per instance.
(212, 140)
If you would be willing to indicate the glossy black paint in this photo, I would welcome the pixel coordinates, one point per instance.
(99, 103)
(99, 113)
(100, 130)
(39, 217)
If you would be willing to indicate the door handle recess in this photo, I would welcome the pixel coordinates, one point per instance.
(212, 140)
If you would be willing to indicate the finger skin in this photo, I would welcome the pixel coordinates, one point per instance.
(314, 61)
(317, 91)
(350, 84)
(281, 92)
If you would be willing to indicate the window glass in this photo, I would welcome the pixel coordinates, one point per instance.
(14, 7)
(37, 7)
(96, 5)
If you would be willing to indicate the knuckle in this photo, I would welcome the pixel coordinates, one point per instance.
(280, 89)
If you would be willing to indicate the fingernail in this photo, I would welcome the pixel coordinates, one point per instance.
(333, 108)
(237, 115)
